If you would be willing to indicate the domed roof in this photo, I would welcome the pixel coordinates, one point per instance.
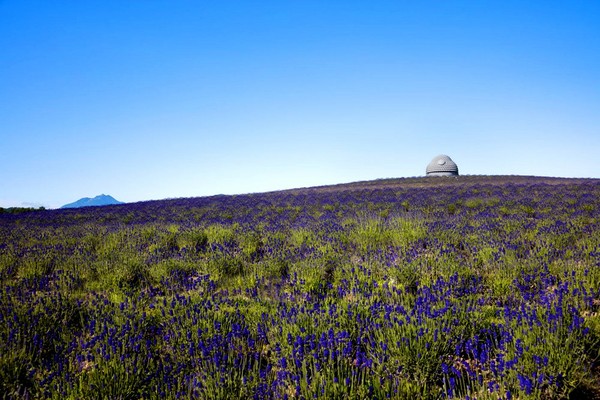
(442, 165)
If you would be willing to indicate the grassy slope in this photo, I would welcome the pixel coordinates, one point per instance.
(500, 261)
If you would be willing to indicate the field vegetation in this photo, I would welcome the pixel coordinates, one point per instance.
(468, 287)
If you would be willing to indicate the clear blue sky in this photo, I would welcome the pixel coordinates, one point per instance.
(156, 99)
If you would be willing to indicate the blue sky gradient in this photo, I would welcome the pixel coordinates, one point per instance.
(159, 99)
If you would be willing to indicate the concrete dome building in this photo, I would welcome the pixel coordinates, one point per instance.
(442, 165)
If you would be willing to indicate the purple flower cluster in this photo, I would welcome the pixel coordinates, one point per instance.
(372, 290)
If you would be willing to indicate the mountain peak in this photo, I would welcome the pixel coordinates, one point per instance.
(100, 200)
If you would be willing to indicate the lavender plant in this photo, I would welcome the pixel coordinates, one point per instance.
(475, 287)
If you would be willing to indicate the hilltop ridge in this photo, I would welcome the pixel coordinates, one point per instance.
(429, 181)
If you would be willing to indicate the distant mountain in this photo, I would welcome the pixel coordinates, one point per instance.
(101, 200)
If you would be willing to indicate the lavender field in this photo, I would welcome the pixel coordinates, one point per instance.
(433, 288)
